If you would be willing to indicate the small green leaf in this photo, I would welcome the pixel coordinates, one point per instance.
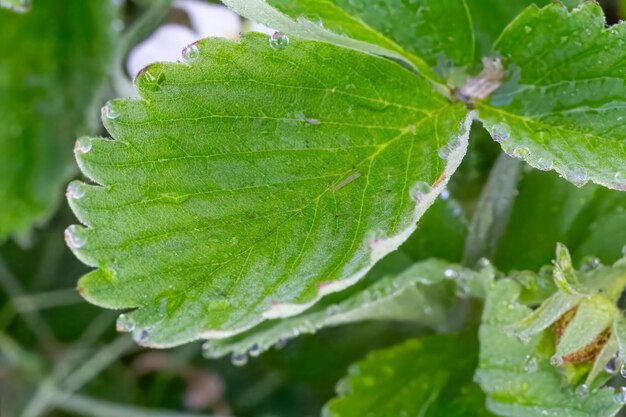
(425, 33)
(490, 17)
(422, 293)
(55, 59)
(428, 377)
(243, 186)
(563, 106)
(518, 377)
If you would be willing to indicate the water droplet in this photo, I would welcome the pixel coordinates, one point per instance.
(206, 346)
(254, 351)
(83, 145)
(124, 324)
(143, 336)
(279, 41)
(528, 29)
(521, 152)
(577, 176)
(282, 342)
(611, 367)
(332, 310)
(462, 291)
(75, 236)
(418, 190)
(590, 263)
(582, 390)
(622, 370)
(445, 194)
(239, 359)
(556, 360)
(620, 395)
(110, 110)
(620, 178)
(530, 364)
(544, 164)
(153, 78)
(190, 54)
(444, 152)
(484, 263)
(500, 132)
(75, 191)
(450, 273)
(163, 307)
(313, 121)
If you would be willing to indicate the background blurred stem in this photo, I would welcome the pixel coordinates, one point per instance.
(48, 391)
(90, 407)
(493, 210)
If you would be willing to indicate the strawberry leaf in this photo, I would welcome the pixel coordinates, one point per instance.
(242, 186)
(563, 106)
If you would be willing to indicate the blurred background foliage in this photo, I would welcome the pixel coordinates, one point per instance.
(60, 356)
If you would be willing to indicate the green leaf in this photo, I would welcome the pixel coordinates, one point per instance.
(428, 377)
(591, 221)
(20, 6)
(490, 17)
(49, 77)
(423, 33)
(243, 186)
(563, 106)
(423, 292)
(517, 377)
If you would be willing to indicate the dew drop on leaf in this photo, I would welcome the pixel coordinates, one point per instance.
(577, 176)
(190, 54)
(279, 41)
(500, 132)
(75, 237)
(239, 359)
(444, 152)
(450, 273)
(556, 360)
(611, 367)
(254, 351)
(110, 111)
(521, 152)
(75, 191)
(153, 79)
(83, 145)
(124, 324)
(530, 364)
(418, 190)
(582, 390)
(544, 164)
(163, 307)
(332, 310)
(620, 395)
